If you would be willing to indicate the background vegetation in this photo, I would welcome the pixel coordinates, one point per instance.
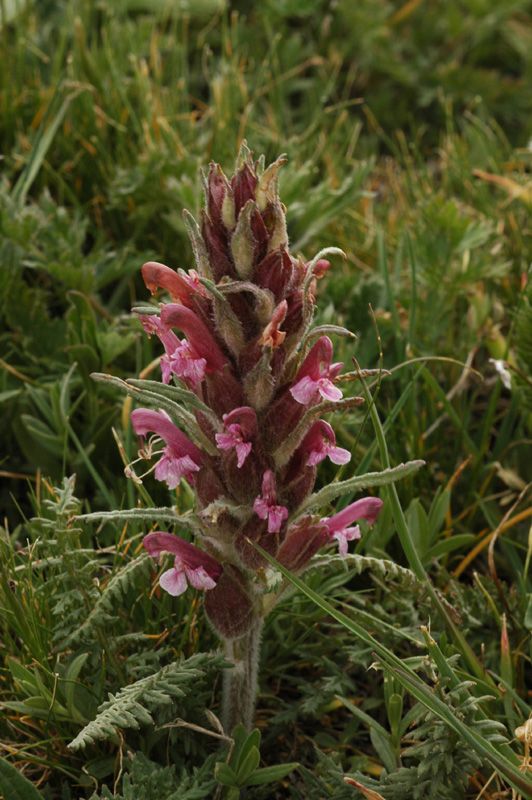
(406, 127)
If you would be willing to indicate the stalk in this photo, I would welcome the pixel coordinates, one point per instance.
(239, 692)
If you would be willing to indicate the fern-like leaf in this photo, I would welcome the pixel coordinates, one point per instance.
(134, 705)
(357, 564)
(112, 596)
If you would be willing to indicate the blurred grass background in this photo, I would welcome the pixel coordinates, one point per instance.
(407, 128)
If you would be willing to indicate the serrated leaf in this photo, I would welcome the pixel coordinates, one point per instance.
(367, 481)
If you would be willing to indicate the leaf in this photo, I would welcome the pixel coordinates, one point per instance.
(248, 765)
(367, 481)
(224, 774)
(140, 515)
(14, 786)
(70, 679)
(448, 545)
(112, 597)
(357, 564)
(133, 705)
(271, 774)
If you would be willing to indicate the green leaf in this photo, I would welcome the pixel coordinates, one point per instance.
(418, 525)
(384, 749)
(271, 774)
(224, 774)
(70, 681)
(14, 786)
(450, 544)
(438, 510)
(248, 765)
(244, 742)
(367, 481)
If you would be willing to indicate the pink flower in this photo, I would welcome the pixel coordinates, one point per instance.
(201, 342)
(192, 566)
(320, 443)
(179, 285)
(265, 506)
(367, 508)
(181, 458)
(316, 374)
(240, 425)
(184, 363)
(153, 325)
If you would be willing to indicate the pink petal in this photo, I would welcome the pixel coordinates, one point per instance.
(261, 508)
(366, 508)
(305, 390)
(243, 449)
(246, 419)
(316, 457)
(185, 364)
(225, 441)
(268, 487)
(200, 579)
(328, 390)
(339, 455)
(188, 554)
(319, 354)
(157, 276)
(166, 369)
(344, 536)
(145, 420)
(276, 517)
(172, 469)
(173, 581)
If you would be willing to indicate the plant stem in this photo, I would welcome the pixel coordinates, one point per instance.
(240, 682)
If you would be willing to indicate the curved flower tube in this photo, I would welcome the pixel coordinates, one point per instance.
(192, 566)
(181, 458)
(367, 508)
(320, 443)
(316, 374)
(179, 285)
(200, 340)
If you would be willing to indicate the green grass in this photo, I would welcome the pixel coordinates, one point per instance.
(406, 129)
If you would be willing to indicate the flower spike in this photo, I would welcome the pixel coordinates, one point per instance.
(236, 337)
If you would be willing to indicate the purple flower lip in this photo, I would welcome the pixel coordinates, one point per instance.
(316, 374)
(367, 508)
(240, 425)
(192, 566)
(320, 443)
(265, 506)
(200, 339)
(181, 458)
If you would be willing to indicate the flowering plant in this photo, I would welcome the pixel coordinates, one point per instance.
(246, 382)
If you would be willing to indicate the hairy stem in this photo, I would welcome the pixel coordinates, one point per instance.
(240, 682)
